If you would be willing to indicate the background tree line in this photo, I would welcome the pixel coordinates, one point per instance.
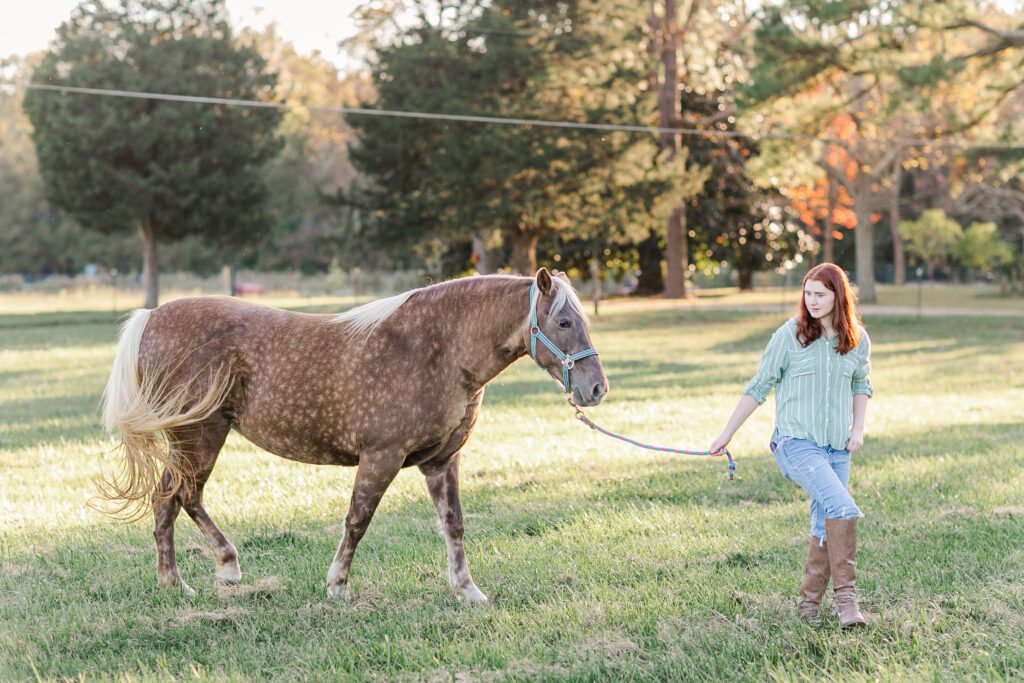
(889, 123)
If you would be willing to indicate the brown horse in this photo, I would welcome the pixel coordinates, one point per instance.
(392, 384)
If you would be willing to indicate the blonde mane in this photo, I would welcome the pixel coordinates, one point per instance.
(363, 320)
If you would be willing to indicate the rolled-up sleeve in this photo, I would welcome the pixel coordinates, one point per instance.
(773, 364)
(861, 382)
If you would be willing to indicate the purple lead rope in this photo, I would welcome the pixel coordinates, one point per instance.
(585, 420)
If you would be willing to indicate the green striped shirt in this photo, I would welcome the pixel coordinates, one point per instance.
(816, 385)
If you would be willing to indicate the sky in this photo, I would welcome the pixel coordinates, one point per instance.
(29, 25)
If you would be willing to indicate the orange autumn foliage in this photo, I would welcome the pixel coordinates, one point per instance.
(811, 201)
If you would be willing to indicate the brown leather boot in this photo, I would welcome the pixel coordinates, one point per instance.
(842, 557)
(815, 581)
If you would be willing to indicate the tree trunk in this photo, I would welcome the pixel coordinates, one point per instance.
(650, 281)
(746, 279)
(829, 241)
(899, 265)
(150, 269)
(524, 252)
(676, 256)
(864, 233)
(485, 261)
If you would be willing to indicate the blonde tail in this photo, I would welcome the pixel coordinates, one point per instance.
(140, 411)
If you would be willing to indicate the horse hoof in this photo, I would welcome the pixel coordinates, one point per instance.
(229, 574)
(175, 582)
(339, 593)
(471, 594)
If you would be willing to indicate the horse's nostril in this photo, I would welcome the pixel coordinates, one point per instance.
(598, 390)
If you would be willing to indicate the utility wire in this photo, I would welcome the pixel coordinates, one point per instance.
(655, 130)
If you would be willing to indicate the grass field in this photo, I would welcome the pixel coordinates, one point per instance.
(601, 561)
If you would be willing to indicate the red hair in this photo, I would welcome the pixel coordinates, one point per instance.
(844, 311)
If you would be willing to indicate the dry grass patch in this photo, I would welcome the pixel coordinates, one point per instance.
(14, 570)
(262, 588)
(958, 511)
(192, 617)
(609, 645)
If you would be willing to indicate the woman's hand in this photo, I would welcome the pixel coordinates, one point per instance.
(855, 442)
(719, 444)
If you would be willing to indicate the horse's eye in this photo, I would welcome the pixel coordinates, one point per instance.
(565, 323)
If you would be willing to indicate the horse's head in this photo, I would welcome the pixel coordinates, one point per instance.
(558, 322)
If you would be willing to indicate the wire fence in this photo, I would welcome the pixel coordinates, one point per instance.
(511, 121)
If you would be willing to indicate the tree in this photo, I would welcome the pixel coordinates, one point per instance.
(907, 72)
(733, 219)
(980, 248)
(308, 231)
(697, 70)
(432, 183)
(165, 169)
(34, 237)
(931, 238)
(665, 44)
(979, 57)
(818, 62)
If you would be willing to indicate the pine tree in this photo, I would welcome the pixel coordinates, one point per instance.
(434, 182)
(164, 169)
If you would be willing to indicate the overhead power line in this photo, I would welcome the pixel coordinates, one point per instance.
(501, 120)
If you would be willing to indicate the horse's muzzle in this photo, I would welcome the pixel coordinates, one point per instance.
(590, 396)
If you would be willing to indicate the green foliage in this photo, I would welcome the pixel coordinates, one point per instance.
(308, 230)
(562, 61)
(787, 59)
(981, 248)
(931, 238)
(178, 168)
(924, 75)
(733, 219)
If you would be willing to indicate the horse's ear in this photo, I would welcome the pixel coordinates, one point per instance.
(561, 275)
(544, 282)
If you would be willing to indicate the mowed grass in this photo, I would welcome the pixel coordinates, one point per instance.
(601, 561)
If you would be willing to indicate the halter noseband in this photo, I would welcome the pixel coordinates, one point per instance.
(568, 360)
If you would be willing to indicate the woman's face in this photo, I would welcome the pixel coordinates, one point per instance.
(819, 299)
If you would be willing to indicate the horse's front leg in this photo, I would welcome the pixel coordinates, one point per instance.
(373, 476)
(443, 484)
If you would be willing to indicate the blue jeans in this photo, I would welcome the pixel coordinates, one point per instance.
(823, 472)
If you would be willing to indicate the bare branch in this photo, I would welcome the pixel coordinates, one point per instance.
(836, 174)
(891, 155)
(1005, 40)
(1009, 38)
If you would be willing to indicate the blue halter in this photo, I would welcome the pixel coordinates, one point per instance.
(568, 361)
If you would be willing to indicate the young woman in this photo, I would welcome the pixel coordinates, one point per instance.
(818, 362)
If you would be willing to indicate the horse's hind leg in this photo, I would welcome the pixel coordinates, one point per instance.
(443, 484)
(197, 447)
(167, 575)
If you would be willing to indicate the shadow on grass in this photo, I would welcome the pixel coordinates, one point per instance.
(645, 376)
(678, 321)
(48, 420)
(27, 321)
